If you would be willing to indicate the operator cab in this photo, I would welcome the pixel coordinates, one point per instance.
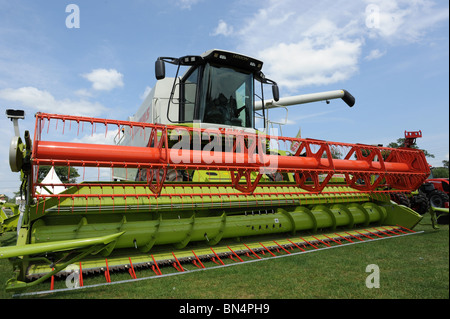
(218, 88)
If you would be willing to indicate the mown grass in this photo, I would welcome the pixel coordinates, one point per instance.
(411, 267)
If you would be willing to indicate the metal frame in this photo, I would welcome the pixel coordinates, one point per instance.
(403, 169)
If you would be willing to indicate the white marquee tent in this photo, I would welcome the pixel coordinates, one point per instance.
(51, 178)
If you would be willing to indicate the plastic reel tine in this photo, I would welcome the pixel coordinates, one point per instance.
(364, 235)
(198, 259)
(337, 242)
(321, 241)
(354, 236)
(252, 251)
(373, 233)
(282, 247)
(347, 239)
(156, 264)
(81, 276)
(235, 254)
(131, 270)
(309, 243)
(296, 245)
(383, 232)
(217, 257)
(181, 268)
(412, 231)
(52, 281)
(267, 249)
(107, 276)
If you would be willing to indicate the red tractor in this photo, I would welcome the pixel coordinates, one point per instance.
(437, 191)
(434, 192)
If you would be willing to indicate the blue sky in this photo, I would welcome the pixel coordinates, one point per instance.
(392, 55)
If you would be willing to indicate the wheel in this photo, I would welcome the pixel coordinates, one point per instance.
(420, 203)
(400, 199)
(437, 198)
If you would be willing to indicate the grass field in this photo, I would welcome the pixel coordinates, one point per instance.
(410, 267)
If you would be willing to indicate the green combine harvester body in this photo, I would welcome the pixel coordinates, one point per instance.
(190, 171)
(9, 217)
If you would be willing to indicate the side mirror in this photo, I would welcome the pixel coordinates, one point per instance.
(275, 92)
(160, 69)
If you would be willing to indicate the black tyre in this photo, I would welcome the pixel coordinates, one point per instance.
(400, 199)
(437, 198)
(420, 203)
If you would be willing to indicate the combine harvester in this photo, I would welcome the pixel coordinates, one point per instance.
(193, 181)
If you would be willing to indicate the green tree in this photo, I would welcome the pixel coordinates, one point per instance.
(440, 172)
(445, 163)
(401, 142)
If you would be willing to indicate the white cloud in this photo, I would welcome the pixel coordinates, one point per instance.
(323, 42)
(402, 20)
(374, 54)
(223, 29)
(104, 80)
(303, 45)
(83, 93)
(308, 62)
(44, 101)
(187, 4)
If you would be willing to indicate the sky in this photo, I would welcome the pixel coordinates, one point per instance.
(96, 58)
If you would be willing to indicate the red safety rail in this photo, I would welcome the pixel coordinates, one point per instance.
(366, 168)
